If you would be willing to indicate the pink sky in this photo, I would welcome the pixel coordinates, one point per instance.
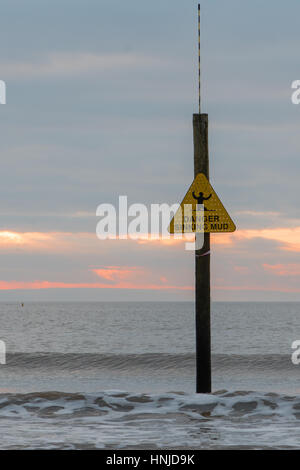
(265, 260)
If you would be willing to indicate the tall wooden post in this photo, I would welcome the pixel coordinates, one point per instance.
(202, 265)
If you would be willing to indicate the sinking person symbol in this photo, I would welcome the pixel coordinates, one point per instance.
(201, 198)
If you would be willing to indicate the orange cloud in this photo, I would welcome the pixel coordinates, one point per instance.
(291, 269)
(288, 237)
(88, 242)
(134, 277)
(117, 273)
(12, 285)
(68, 242)
(29, 239)
(38, 241)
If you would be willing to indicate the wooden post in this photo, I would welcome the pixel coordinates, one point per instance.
(202, 265)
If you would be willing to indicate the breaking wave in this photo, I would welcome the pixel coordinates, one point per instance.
(129, 406)
(174, 420)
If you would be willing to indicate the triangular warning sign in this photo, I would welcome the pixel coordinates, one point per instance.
(212, 218)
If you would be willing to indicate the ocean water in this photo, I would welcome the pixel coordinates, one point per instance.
(114, 375)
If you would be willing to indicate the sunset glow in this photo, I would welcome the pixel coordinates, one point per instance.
(64, 285)
(288, 237)
(134, 276)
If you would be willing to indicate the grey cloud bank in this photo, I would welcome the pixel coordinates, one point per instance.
(101, 101)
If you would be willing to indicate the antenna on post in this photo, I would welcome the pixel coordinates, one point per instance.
(199, 64)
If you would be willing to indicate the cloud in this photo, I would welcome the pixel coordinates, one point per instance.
(258, 288)
(289, 238)
(244, 261)
(76, 242)
(135, 277)
(258, 213)
(33, 285)
(118, 273)
(241, 269)
(290, 269)
(10, 240)
(70, 64)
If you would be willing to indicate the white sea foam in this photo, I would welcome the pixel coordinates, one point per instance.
(116, 419)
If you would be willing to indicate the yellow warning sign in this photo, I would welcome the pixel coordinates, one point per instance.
(201, 210)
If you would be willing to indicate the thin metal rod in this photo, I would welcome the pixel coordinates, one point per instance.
(199, 63)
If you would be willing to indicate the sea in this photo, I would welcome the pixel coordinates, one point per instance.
(121, 375)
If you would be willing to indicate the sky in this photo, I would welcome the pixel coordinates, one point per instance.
(100, 98)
